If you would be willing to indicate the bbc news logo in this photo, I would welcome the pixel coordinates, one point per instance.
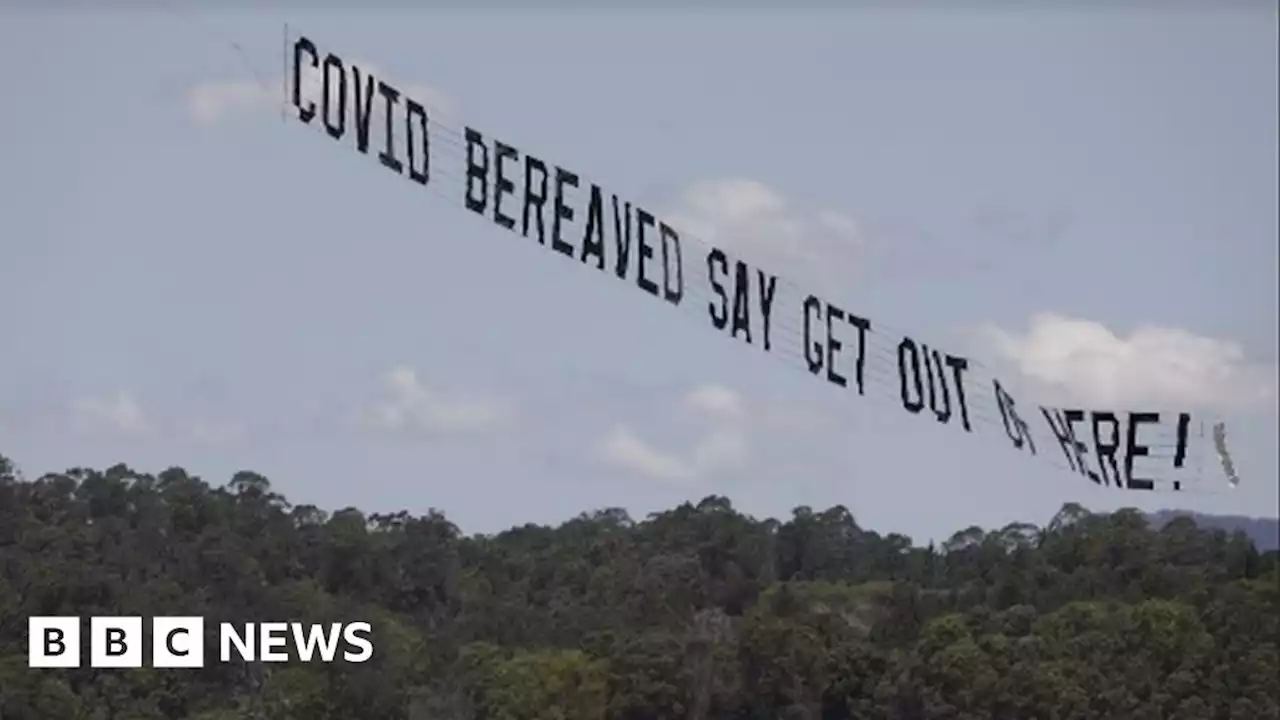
(178, 642)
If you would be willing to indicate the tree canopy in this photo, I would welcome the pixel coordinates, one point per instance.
(698, 612)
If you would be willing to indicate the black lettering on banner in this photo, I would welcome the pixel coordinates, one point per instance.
(819, 353)
(563, 213)
(363, 96)
(1180, 454)
(741, 301)
(1070, 418)
(622, 238)
(501, 183)
(53, 638)
(1065, 438)
(332, 67)
(958, 365)
(768, 288)
(534, 199)
(390, 96)
(644, 252)
(115, 639)
(168, 642)
(477, 170)
(823, 354)
(863, 325)
(907, 349)
(939, 388)
(716, 258)
(671, 239)
(1106, 449)
(593, 238)
(812, 349)
(833, 347)
(1013, 423)
(301, 47)
(413, 110)
(1134, 450)
(718, 265)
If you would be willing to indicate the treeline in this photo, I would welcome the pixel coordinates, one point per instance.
(1264, 531)
(699, 612)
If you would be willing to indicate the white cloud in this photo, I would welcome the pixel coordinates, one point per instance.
(217, 102)
(122, 415)
(715, 400)
(746, 218)
(214, 434)
(1153, 366)
(622, 448)
(118, 414)
(723, 449)
(412, 407)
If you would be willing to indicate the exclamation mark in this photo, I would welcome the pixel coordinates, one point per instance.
(1180, 455)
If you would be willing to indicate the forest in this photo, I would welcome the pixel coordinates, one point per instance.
(696, 613)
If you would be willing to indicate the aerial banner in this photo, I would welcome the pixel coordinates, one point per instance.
(582, 222)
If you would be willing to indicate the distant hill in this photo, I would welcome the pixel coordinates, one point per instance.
(1265, 532)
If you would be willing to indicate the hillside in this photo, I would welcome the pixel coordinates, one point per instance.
(698, 612)
(1264, 532)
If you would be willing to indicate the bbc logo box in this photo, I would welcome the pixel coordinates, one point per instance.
(178, 642)
(115, 642)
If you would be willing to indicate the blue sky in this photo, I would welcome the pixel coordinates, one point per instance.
(1083, 201)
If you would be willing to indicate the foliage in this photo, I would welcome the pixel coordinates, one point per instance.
(699, 612)
(1264, 531)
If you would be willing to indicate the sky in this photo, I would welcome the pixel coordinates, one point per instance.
(1082, 201)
